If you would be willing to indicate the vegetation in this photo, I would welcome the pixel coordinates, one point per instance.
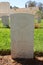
(4, 39)
(30, 4)
(38, 25)
(34, 4)
(1, 24)
(38, 40)
(40, 5)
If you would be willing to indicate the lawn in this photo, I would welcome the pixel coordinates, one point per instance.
(1, 24)
(5, 40)
(41, 24)
(38, 40)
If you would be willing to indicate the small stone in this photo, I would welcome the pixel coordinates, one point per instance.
(19, 64)
(12, 61)
(0, 57)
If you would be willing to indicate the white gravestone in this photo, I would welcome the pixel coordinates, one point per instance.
(22, 35)
(5, 20)
(4, 9)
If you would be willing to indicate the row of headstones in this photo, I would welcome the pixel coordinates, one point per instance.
(22, 34)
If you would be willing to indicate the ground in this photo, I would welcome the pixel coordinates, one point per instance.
(7, 60)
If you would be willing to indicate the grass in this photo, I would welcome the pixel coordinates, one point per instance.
(5, 38)
(41, 24)
(1, 24)
(38, 40)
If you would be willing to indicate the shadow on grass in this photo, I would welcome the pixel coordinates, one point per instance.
(40, 54)
(5, 27)
(38, 27)
(5, 52)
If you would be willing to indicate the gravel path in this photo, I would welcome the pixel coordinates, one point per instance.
(7, 60)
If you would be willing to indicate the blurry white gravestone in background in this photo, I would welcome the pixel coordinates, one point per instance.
(22, 35)
(5, 20)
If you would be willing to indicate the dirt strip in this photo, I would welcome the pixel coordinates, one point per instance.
(7, 60)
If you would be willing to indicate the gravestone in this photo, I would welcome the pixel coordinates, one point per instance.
(4, 9)
(22, 35)
(5, 20)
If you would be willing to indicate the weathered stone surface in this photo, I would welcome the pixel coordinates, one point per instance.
(5, 20)
(22, 32)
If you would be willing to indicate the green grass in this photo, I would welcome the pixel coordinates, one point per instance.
(41, 24)
(4, 39)
(1, 24)
(38, 40)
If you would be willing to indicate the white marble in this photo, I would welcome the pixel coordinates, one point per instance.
(22, 35)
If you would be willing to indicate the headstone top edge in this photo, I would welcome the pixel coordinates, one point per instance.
(21, 13)
(4, 2)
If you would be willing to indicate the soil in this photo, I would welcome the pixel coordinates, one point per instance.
(7, 60)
